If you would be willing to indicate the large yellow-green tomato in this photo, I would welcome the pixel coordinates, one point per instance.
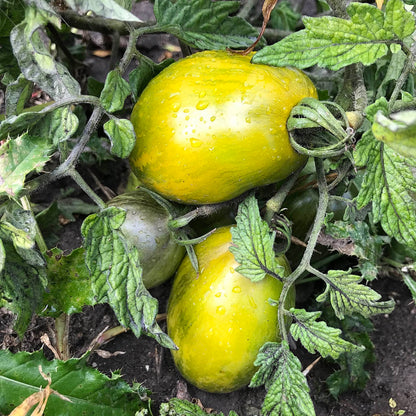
(213, 125)
(219, 319)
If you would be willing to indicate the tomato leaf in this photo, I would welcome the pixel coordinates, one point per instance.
(83, 390)
(117, 275)
(58, 125)
(410, 283)
(17, 94)
(334, 43)
(253, 243)
(389, 185)
(398, 131)
(122, 136)
(179, 407)
(287, 388)
(205, 24)
(19, 157)
(34, 58)
(358, 242)
(348, 296)
(69, 283)
(21, 286)
(115, 91)
(318, 336)
(106, 8)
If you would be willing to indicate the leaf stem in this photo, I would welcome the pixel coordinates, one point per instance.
(274, 204)
(408, 68)
(62, 335)
(307, 255)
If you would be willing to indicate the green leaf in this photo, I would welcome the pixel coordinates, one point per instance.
(14, 125)
(253, 243)
(122, 136)
(395, 67)
(106, 8)
(348, 296)
(8, 62)
(17, 94)
(21, 288)
(389, 185)
(358, 242)
(117, 275)
(398, 132)
(115, 91)
(143, 74)
(352, 374)
(69, 283)
(18, 158)
(19, 227)
(178, 407)
(12, 13)
(287, 388)
(58, 126)
(205, 24)
(411, 284)
(334, 43)
(283, 16)
(88, 392)
(35, 60)
(318, 336)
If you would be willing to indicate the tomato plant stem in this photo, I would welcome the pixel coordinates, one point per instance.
(62, 335)
(307, 255)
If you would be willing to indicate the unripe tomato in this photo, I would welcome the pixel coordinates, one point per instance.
(213, 125)
(146, 227)
(219, 319)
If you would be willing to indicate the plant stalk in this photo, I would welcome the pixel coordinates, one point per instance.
(62, 335)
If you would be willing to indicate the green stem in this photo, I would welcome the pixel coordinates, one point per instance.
(408, 68)
(62, 335)
(307, 255)
(86, 188)
(38, 238)
(274, 204)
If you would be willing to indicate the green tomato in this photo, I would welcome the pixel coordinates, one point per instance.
(219, 319)
(213, 125)
(146, 228)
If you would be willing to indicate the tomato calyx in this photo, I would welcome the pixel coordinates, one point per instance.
(319, 129)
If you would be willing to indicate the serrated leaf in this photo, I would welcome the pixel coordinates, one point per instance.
(117, 275)
(361, 243)
(15, 125)
(253, 243)
(178, 407)
(115, 91)
(394, 70)
(122, 136)
(333, 42)
(348, 296)
(398, 131)
(58, 126)
(205, 24)
(19, 157)
(287, 388)
(317, 336)
(88, 392)
(389, 185)
(21, 288)
(106, 8)
(35, 60)
(69, 283)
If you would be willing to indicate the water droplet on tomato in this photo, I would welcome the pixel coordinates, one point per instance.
(218, 294)
(201, 105)
(202, 94)
(195, 142)
(213, 118)
(248, 120)
(236, 289)
(176, 107)
(221, 310)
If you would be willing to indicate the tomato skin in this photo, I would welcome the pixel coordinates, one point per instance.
(146, 227)
(212, 126)
(220, 319)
